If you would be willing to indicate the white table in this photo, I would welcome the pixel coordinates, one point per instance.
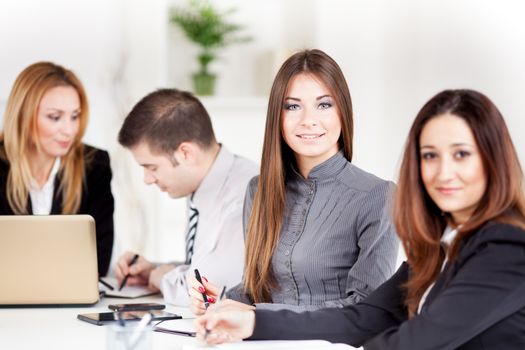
(59, 328)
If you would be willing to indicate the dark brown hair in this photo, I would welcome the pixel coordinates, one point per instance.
(166, 118)
(419, 222)
(266, 218)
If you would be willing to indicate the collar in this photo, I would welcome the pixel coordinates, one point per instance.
(51, 178)
(449, 235)
(327, 169)
(210, 186)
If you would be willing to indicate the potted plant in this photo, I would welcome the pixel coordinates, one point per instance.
(208, 28)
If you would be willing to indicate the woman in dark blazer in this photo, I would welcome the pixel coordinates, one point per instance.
(44, 166)
(460, 213)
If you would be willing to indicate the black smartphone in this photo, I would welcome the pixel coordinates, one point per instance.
(136, 307)
(103, 318)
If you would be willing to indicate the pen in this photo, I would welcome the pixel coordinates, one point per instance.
(106, 284)
(206, 330)
(125, 280)
(223, 291)
(139, 330)
(119, 318)
(204, 297)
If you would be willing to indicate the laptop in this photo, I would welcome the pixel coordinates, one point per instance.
(48, 260)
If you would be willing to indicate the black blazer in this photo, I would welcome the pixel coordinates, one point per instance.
(97, 199)
(487, 278)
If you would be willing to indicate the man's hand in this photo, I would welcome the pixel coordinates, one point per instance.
(139, 272)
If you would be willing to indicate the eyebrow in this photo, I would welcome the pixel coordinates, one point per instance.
(298, 99)
(453, 145)
(61, 110)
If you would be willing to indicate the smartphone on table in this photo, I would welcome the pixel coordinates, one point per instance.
(102, 318)
(136, 307)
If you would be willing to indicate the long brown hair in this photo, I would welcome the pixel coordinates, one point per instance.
(419, 221)
(20, 134)
(264, 226)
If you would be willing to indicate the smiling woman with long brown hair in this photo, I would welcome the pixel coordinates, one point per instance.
(460, 213)
(318, 229)
(44, 166)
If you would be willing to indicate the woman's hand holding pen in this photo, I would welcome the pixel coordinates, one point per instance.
(212, 292)
(225, 323)
(195, 291)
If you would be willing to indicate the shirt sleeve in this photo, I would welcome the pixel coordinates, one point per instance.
(480, 286)
(223, 265)
(353, 324)
(174, 286)
(378, 247)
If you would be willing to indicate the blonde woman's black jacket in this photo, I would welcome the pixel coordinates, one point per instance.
(478, 302)
(97, 199)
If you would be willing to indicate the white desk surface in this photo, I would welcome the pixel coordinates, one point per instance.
(59, 328)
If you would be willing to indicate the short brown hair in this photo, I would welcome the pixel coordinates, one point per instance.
(164, 119)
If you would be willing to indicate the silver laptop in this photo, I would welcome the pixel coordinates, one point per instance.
(48, 260)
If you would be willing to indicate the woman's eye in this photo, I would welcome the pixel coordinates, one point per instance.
(291, 106)
(325, 105)
(428, 155)
(461, 154)
(75, 116)
(53, 117)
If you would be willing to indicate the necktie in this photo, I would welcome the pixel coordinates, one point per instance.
(192, 230)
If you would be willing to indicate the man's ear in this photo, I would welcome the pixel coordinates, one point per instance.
(185, 153)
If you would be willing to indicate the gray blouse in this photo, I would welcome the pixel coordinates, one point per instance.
(337, 242)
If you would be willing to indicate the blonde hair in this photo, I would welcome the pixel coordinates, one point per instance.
(21, 133)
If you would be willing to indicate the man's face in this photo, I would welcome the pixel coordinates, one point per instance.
(171, 173)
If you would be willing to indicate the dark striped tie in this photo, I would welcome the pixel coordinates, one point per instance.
(192, 230)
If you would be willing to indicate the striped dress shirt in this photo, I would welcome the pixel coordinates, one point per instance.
(337, 242)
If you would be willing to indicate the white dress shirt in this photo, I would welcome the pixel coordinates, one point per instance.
(42, 198)
(218, 250)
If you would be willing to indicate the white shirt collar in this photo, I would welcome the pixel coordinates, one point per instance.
(42, 198)
(449, 235)
(210, 186)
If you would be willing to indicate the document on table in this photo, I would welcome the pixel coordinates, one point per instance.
(128, 292)
(182, 326)
(185, 327)
(274, 344)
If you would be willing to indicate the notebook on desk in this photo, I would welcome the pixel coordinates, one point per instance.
(48, 260)
(109, 287)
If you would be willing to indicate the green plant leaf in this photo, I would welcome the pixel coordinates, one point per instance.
(208, 28)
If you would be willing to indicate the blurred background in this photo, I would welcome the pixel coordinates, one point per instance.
(395, 56)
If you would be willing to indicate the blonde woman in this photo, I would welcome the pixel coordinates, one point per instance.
(44, 166)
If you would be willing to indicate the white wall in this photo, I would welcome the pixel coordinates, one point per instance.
(395, 55)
